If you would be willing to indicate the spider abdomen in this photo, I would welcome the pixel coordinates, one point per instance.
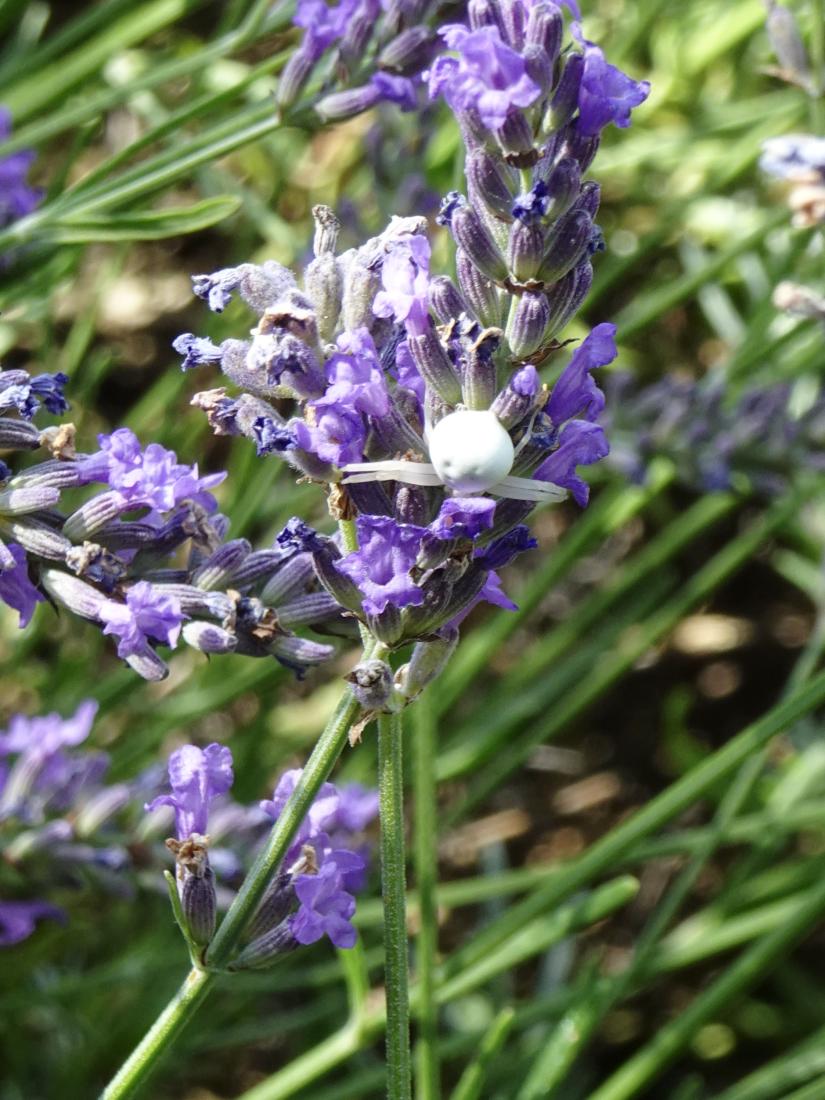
(470, 450)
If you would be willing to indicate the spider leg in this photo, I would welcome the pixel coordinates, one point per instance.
(410, 473)
(525, 488)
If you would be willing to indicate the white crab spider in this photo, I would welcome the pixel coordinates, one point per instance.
(470, 452)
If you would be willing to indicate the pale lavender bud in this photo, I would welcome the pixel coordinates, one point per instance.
(18, 435)
(347, 104)
(410, 52)
(17, 502)
(566, 96)
(518, 398)
(295, 74)
(292, 577)
(264, 950)
(94, 514)
(217, 570)
(361, 284)
(483, 13)
(325, 286)
(580, 284)
(52, 474)
(303, 610)
(787, 43)
(71, 592)
(35, 537)
(209, 638)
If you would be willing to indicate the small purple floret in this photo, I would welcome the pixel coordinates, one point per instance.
(381, 567)
(16, 589)
(196, 776)
(606, 94)
(146, 615)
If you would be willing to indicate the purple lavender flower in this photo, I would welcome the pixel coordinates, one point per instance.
(150, 477)
(606, 94)
(355, 377)
(16, 197)
(47, 734)
(333, 432)
(405, 278)
(16, 589)
(399, 90)
(18, 919)
(357, 807)
(322, 813)
(147, 614)
(576, 393)
(196, 777)
(488, 75)
(324, 23)
(326, 908)
(581, 443)
(463, 518)
(381, 567)
(28, 394)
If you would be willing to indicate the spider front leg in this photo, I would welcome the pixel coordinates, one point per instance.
(410, 473)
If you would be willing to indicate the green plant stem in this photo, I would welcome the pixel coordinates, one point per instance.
(169, 1025)
(472, 1079)
(817, 64)
(135, 1071)
(428, 1085)
(393, 892)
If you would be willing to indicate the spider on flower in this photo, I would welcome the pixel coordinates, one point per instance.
(470, 452)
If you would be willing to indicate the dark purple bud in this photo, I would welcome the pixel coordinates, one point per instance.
(589, 198)
(473, 237)
(451, 202)
(53, 474)
(445, 300)
(566, 96)
(276, 905)
(434, 365)
(292, 577)
(478, 383)
(481, 294)
(502, 551)
(527, 324)
(18, 435)
(531, 206)
(325, 554)
(304, 610)
(525, 249)
(487, 184)
(429, 658)
(564, 188)
(297, 654)
(581, 280)
(539, 67)
(387, 626)
(566, 245)
(517, 141)
(197, 898)
(518, 398)
(371, 683)
(513, 19)
(483, 13)
(266, 949)
(410, 52)
(581, 146)
(545, 28)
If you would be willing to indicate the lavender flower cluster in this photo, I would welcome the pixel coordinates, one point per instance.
(757, 440)
(108, 559)
(418, 401)
(310, 896)
(63, 826)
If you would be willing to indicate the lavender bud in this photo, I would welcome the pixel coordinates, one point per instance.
(517, 141)
(297, 653)
(324, 285)
(428, 660)
(388, 626)
(279, 898)
(581, 146)
(148, 665)
(525, 249)
(347, 104)
(293, 78)
(487, 184)
(413, 505)
(372, 685)
(445, 300)
(566, 96)
(581, 281)
(410, 52)
(292, 577)
(479, 382)
(474, 239)
(434, 365)
(197, 601)
(589, 199)
(564, 186)
(787, 42)
(517, 399)
(360, 29)
(527, 324)
(361, 284)
(266, 949)
(481, 294)
(93, 515)
(218, 568)
(71, 592)
(512, 14)
(260, 563)
(18, 435)
(545, 29)
(209, 638)
(566, 245)
(198, 902)
(483, 13)
(303, 610)
(36, 538)
(539, 67)
(17, 502)
(52, 474)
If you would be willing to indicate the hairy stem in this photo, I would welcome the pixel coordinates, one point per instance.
(426, 873)
(393, 890)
